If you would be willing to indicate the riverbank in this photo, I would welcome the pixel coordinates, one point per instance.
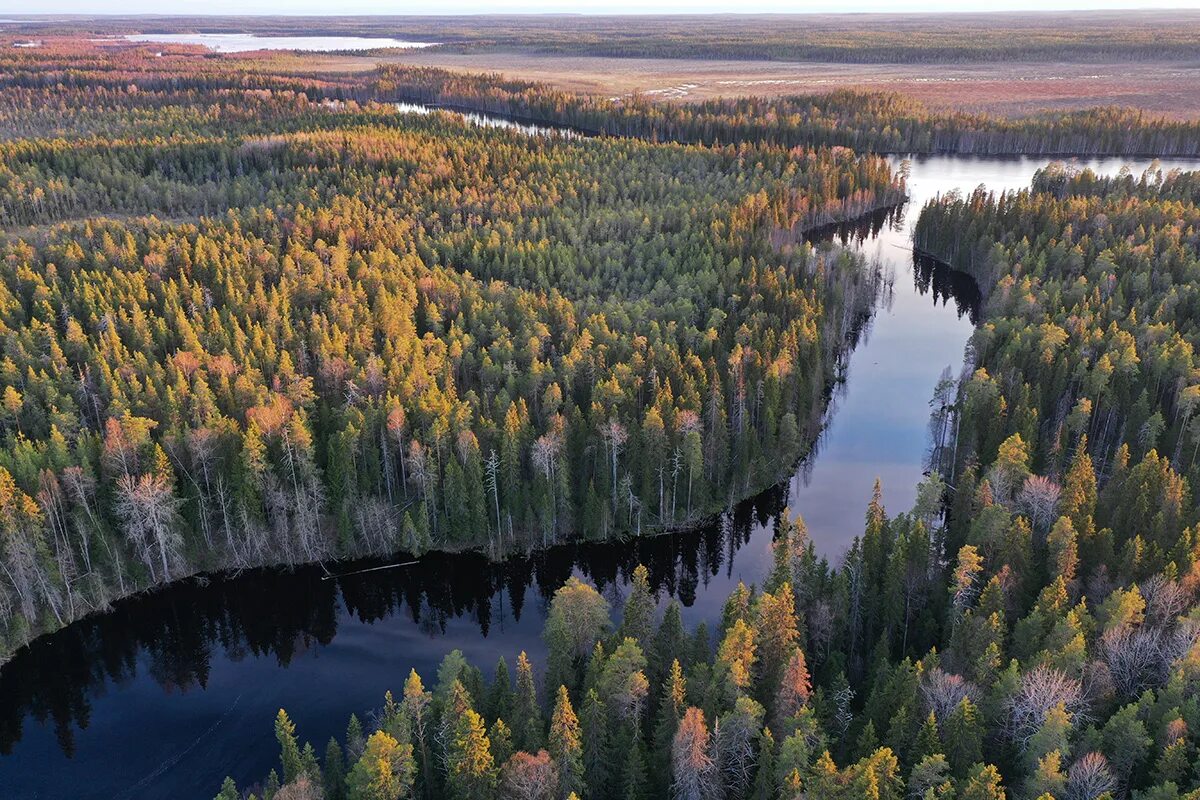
(523, 542)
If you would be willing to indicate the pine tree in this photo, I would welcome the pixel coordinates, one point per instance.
(982, 784)
(670, 644)
(229, 791)
(272, 785)
(795, 688)
(637, 617)
(930, 779)
(635, 782)
(928, 742)
(692, 768)
(1047, 777)
(355, 740)
(566, 745)
(670, 712)
(868, 740)
(470, 768)
(776, 635)
(385, 771)
(285, 734)
(416, 704)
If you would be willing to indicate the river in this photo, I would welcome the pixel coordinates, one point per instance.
(168, 693)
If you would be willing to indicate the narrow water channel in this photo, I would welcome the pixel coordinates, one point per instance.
(168, 693)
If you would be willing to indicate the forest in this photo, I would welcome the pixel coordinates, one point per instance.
(1039, 640)
(879, 122)
(371, 331)
(263, 317)
(70, 89)
(1097, 36)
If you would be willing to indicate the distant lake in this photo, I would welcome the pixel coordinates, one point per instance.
(245, 42)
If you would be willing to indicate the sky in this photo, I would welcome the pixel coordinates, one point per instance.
(192, 7)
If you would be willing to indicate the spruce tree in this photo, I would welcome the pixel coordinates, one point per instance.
(500, 698)
(500, 735)
(334, 771)
(527, 714)
(596, 762)
(963, 737)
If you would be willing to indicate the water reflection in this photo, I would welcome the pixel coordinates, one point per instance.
(529, 127)
(855, 233)
(947, 285)
(249, 42)
(177, 633)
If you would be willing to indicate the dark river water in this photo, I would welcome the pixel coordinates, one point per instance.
(168, 693)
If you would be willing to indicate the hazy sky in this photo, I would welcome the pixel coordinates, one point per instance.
(556, 6)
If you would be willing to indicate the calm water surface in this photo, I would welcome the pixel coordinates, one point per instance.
(169, 693)
(245, 42)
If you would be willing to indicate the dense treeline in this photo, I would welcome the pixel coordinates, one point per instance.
(70, 89)
(1040, 640)
(866, 121)
(1091, 326)
(870, 38)
(358, 331)
(73, 90)
(820, 667)
(386, 332)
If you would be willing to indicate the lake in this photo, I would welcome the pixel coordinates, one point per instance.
(246, 42)
(166, 694)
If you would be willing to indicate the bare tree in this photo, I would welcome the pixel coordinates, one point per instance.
(491, 469)
(546, 451)
(1137, 658)
(821, 626)
(943, 692)
(615, 436)
(302, 788)
(528, 777)
(1165, 600)
(1141, 657)
(50, 499)
(1038, 498)
(1089, 778)
(149, 512)
(82, 489)
(21, 549)
(1041, 689)
(733, 747)
(397, 425)
(630, 699)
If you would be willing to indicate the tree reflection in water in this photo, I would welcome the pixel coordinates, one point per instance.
(181, 631)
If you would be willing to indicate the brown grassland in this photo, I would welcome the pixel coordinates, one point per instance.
(1168, 88)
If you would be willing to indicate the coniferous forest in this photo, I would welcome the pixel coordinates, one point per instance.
(253, 316)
